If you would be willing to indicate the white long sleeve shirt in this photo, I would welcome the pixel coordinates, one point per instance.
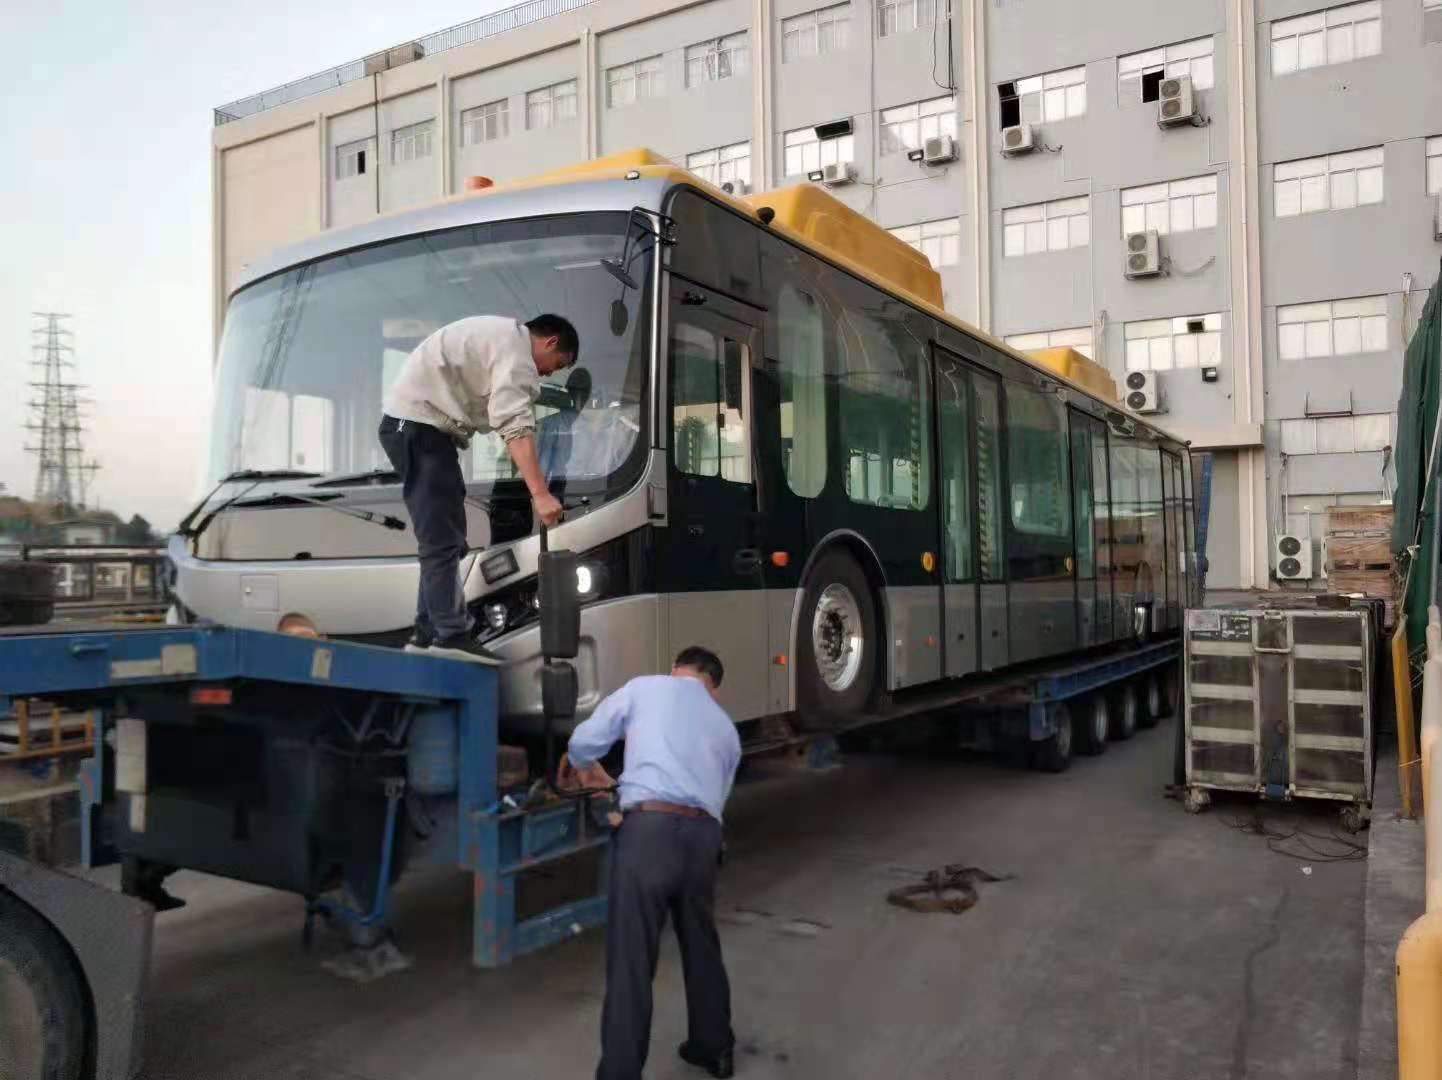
(474, 374)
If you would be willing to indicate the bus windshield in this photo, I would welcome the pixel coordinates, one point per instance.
(308, 353)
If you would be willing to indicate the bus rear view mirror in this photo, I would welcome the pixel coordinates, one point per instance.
(560, 604)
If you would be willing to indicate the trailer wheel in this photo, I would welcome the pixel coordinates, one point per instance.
(1171, 678)
(1053, 754)
(42, 1003)
(1153, 701)
(1095, 724)
(838, 651)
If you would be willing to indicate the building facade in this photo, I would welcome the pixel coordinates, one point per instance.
(1295, 209)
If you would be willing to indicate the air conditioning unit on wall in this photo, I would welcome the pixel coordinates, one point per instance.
(842, 172)
(1020, 139)
(1144, 254)
(1142, 393)
(1176, 104)
(1294, 558)
(736, 187)
(939, 150)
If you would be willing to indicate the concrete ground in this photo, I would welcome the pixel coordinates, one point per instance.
(1135, 941)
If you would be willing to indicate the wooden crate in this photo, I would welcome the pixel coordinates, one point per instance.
(1382, 584)
(1358, 552)
(1359, 520)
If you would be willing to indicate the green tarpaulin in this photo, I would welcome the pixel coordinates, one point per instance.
(1416, 499)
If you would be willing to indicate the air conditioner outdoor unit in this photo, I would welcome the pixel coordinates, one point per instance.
(736, 187)
(1176, 103)
(1142, 394)
(1144, 254)
(1294, 558)
(843, 172)
(939, 150)
(1020, 139)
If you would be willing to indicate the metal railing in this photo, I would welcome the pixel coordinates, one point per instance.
(498, 22)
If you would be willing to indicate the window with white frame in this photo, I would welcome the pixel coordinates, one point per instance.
(723, 164)
(804, 152)
(1434, 164)
(1337, 434)
(486, 123)
(1190, 341)
(354, 158)
(1078, 338)
(412, 142)
(1140, 75)
(1049, 226)
(1332, 328)
(899, 16)
(1334, 36)
(815, 33)
(640, 80)
(551, 105)
(1174, 207)
(1432, 20)
(939, 241)
(907, 127)
(1334, 182)
(1056, 95)
(719, 58)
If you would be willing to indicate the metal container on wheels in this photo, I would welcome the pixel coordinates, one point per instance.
(1279, 701)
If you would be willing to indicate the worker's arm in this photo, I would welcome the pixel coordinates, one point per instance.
(522, 449)
(594, 736)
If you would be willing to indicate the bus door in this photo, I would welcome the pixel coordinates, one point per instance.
(974, 623)
(1091, 524)
(710, 566)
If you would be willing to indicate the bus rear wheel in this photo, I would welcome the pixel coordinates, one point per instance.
(838, 651)
(42, 1004)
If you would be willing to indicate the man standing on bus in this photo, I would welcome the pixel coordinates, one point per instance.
(474, 375)
(681, 756)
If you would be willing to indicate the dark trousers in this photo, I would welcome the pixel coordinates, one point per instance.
(662, 864)
(434, 491)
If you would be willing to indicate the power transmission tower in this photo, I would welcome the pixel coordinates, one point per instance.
(62, 477)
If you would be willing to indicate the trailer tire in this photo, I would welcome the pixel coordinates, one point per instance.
(42, 1001)
(1126, 711)
(838, 647)
(1153, 704)
(1093, 724)
(1053, 754)
(1171, 677)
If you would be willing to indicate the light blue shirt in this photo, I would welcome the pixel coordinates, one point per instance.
(681, 747)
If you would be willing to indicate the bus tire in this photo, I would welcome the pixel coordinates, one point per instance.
(1126, 711)
(1153, 701)
(1054, 753)
(838, 651)
(42, 1001)
(1093, 725)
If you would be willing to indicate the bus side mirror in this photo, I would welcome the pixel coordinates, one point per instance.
(560, 604)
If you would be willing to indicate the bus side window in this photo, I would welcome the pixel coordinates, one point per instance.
(802, 366)
(1037, 463)
(885, 412)
(709, 421)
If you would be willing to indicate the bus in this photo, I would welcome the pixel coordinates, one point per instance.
(775, 443)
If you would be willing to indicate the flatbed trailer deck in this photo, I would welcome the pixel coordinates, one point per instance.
(244, 753)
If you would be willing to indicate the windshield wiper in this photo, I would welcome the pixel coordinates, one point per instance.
(370, 476)
(256, 475)
(283, 497)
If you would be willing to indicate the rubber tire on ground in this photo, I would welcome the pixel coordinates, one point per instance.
(1126, 711)
(1092, 722)
(819, 707)
(30, 947)
(1171, 676)
(1151, 699)
(1054, 754)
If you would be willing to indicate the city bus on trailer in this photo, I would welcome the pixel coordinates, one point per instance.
(775, 443)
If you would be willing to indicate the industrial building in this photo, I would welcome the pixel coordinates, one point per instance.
(1233, 204)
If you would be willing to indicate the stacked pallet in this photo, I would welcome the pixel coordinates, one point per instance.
(1359, 553)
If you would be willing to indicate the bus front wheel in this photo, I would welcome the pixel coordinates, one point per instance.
(838, 649)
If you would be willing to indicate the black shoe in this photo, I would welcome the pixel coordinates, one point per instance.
(721, 1066)
(420, 640)
(464, 647)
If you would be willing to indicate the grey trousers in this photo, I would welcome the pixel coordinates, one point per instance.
(435, 496)
(662, 864)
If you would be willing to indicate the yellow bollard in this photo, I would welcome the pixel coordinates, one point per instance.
(1408, 761)
(1419, 1000)
(1430, 724)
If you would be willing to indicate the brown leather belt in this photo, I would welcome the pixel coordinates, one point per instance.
(656, 807)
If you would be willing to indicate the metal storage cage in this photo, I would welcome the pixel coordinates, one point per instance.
(1279, 702)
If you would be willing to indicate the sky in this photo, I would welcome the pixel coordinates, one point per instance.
(105, 120)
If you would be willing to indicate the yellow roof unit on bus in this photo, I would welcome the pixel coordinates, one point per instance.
(829, 224)
(1070, 364)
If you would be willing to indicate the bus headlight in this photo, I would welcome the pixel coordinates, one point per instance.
(497, 615)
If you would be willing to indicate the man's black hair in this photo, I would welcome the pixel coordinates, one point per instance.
(703, 661)
(558, 327)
